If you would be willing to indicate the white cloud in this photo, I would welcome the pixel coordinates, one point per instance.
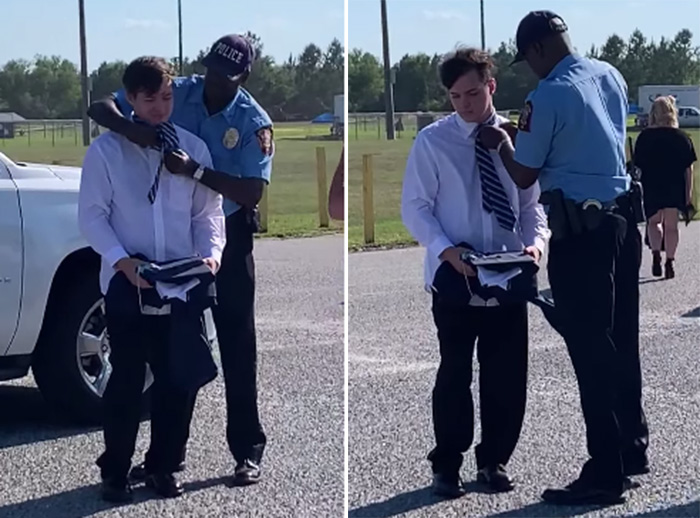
(132, 23)
(444, 16)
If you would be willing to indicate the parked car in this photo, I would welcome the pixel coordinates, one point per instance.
(52, 319)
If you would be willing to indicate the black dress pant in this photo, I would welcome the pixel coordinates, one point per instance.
(137, 339)
(234, 317)
(502, 351)
(595, 286)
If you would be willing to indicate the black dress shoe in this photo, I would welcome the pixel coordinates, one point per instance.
(247, 473)
(448, 486)
(636, 468)
(116, 491)
(165, 485)
(628, 484)
(138, 473)
(581, 493)
(495, 478)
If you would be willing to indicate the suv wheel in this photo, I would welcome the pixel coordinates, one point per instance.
(71, 363)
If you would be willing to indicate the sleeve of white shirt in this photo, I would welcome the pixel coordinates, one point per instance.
(94, 207)
(208, 220)
(420, 187)
(533, 219)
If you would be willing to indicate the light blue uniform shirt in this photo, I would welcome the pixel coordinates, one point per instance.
(233, 136)
(573, 129)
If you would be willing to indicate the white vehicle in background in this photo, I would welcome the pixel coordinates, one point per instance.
(688, 117)
(687, 96)
(51, 310)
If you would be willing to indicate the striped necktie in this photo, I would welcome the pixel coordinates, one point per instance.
(167, 141)
(494, 198)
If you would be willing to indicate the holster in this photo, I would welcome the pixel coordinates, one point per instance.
(636, 198)
(563, 217)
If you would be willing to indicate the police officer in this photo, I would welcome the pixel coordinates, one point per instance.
(571, 137)
(238, 132)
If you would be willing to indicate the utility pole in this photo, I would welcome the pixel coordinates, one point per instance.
(388, 87)
(84, 86)
(483, 26)
(179, 25)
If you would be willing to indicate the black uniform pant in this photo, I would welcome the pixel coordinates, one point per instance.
(137, 339)
(595, 285)
(234, 317)
(502, 334)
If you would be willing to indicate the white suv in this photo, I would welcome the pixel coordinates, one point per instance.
(51, 310)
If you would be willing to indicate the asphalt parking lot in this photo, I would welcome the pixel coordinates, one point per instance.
(393, 360)
(48, 469)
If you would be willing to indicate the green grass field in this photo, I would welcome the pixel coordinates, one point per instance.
(292, 196)
(389, 161)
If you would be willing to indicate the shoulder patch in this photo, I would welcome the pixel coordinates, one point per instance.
(525, 117)
(265, 140)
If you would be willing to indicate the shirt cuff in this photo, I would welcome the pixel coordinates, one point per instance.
(538, 243)
(439, 245)
(115, 255)
(214, 253)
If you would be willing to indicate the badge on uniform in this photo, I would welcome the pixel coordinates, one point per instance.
(265, 140)
(230, 138)
(525, 117)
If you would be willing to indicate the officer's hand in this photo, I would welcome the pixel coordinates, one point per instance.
(212, 264)
(452, 256)
(179, 162)
(129, 267)
(142, 135)
(511, 129)
(534, 252)
(491, 136)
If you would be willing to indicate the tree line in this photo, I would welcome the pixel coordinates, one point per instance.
(417, 86)
(300, 88)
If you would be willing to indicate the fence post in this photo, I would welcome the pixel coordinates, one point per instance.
(264, 211)
(368, 198)
(322, 187)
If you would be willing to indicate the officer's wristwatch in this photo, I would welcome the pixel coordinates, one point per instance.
(198, 173)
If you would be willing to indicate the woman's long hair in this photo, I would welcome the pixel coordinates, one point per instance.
(664, 112)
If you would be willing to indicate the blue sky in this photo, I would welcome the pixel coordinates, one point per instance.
(432, 26)
(126, 29)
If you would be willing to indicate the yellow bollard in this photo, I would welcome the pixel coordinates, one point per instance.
(368, 198)
(263, 211)
(322, 187)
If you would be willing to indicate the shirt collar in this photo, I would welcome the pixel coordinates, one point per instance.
(466, 127)
(565, 62)
(196, 96)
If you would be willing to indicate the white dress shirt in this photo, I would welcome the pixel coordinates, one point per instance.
(442, 203)
(118, 220)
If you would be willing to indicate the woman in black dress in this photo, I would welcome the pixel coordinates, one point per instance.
(665, 155)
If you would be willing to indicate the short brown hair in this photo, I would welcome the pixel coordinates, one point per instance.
(462, 61)
(146, 74)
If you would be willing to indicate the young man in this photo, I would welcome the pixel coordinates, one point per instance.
(238, 133)
(130, 205)
(458, 196)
